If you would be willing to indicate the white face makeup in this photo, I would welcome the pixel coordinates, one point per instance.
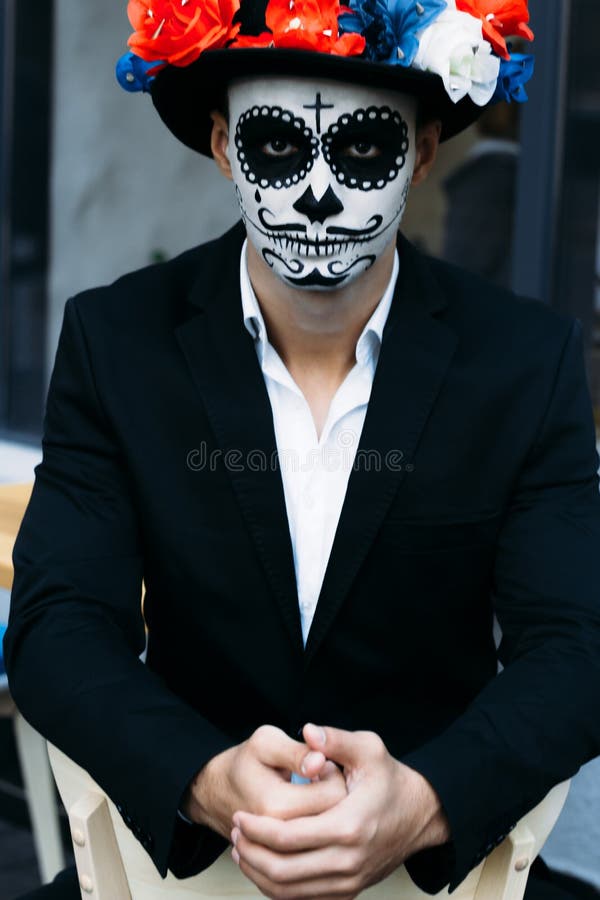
(322, 172)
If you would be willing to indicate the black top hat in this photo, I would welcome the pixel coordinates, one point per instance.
(186, 88)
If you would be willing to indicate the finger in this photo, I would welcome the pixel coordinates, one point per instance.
(292, 801)
(330, 770)
(275, 749)
(348, 748)
(313, 764)
(336, 888)
(337, 825)
(287, 868)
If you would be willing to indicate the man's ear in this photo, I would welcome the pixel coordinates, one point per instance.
(219, 143)
(427, 143)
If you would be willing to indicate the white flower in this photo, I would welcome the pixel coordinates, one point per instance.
(453, 46)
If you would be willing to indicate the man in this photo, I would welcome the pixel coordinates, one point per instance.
(331, 460)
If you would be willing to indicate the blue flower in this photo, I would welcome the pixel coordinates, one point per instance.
(135, 74)
(371, 19)
(514, 73)
(390, 27)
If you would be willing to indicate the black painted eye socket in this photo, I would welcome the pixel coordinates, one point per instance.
(274, 147)
(279, 148)
(362, 149)
(367, 149)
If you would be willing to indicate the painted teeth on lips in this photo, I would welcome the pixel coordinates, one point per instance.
(308, 247)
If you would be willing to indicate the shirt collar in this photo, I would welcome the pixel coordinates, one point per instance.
(369, 342)
(253, 317)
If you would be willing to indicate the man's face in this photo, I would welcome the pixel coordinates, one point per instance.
(322, 172)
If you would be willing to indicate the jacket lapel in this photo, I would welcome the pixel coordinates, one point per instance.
(415, 354)
(222, 359)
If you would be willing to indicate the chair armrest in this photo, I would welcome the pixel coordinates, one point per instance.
(504, 875)
(97, 857)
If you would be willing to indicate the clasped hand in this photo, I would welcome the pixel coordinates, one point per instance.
(332, 837)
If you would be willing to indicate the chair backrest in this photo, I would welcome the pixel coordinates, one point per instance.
(113, 865)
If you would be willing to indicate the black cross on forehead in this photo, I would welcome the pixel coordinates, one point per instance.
(318, 105)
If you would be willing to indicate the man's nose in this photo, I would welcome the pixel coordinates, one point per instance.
(318, 210)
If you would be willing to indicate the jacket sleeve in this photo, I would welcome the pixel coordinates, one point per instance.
(76, 628)
(536, 723)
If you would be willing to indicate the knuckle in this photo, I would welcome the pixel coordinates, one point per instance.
(346, 867)
(260, 736)
(354, 864)
(374, 743)
(271, 807)
(350, 832)
(275, 872)
(277, 811)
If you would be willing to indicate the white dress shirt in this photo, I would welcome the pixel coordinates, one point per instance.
(315, 470)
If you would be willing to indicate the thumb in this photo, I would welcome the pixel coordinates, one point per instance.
(275, 749)
(343, 747)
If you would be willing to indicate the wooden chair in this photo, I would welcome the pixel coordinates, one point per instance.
(112, 864)
(31, 746)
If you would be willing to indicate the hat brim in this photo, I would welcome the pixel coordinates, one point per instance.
(185, 96)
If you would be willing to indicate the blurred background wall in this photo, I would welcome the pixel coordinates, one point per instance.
(123, 189)
(92, 185)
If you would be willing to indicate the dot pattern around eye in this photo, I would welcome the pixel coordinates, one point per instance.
(290, 174)
(373, 123)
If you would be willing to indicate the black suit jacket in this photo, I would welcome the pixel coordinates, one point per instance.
(477, 491)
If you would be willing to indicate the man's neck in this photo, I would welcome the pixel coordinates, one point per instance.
(315, 332)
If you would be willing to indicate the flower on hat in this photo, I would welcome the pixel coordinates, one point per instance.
(178, 31)
(135, 74)
(391, 27)
(453, 47)
(305, 25)
(514, 73)
(500, 19)
(462, 41)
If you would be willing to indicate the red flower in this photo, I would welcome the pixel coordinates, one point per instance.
(500, 19)
(305, 25)
(178, 31)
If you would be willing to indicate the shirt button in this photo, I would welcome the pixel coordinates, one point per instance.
(308, 499)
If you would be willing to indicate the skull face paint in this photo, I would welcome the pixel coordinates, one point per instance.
(322, 172)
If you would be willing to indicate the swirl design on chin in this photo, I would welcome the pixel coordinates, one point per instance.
(294, 266)
(334, 269)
